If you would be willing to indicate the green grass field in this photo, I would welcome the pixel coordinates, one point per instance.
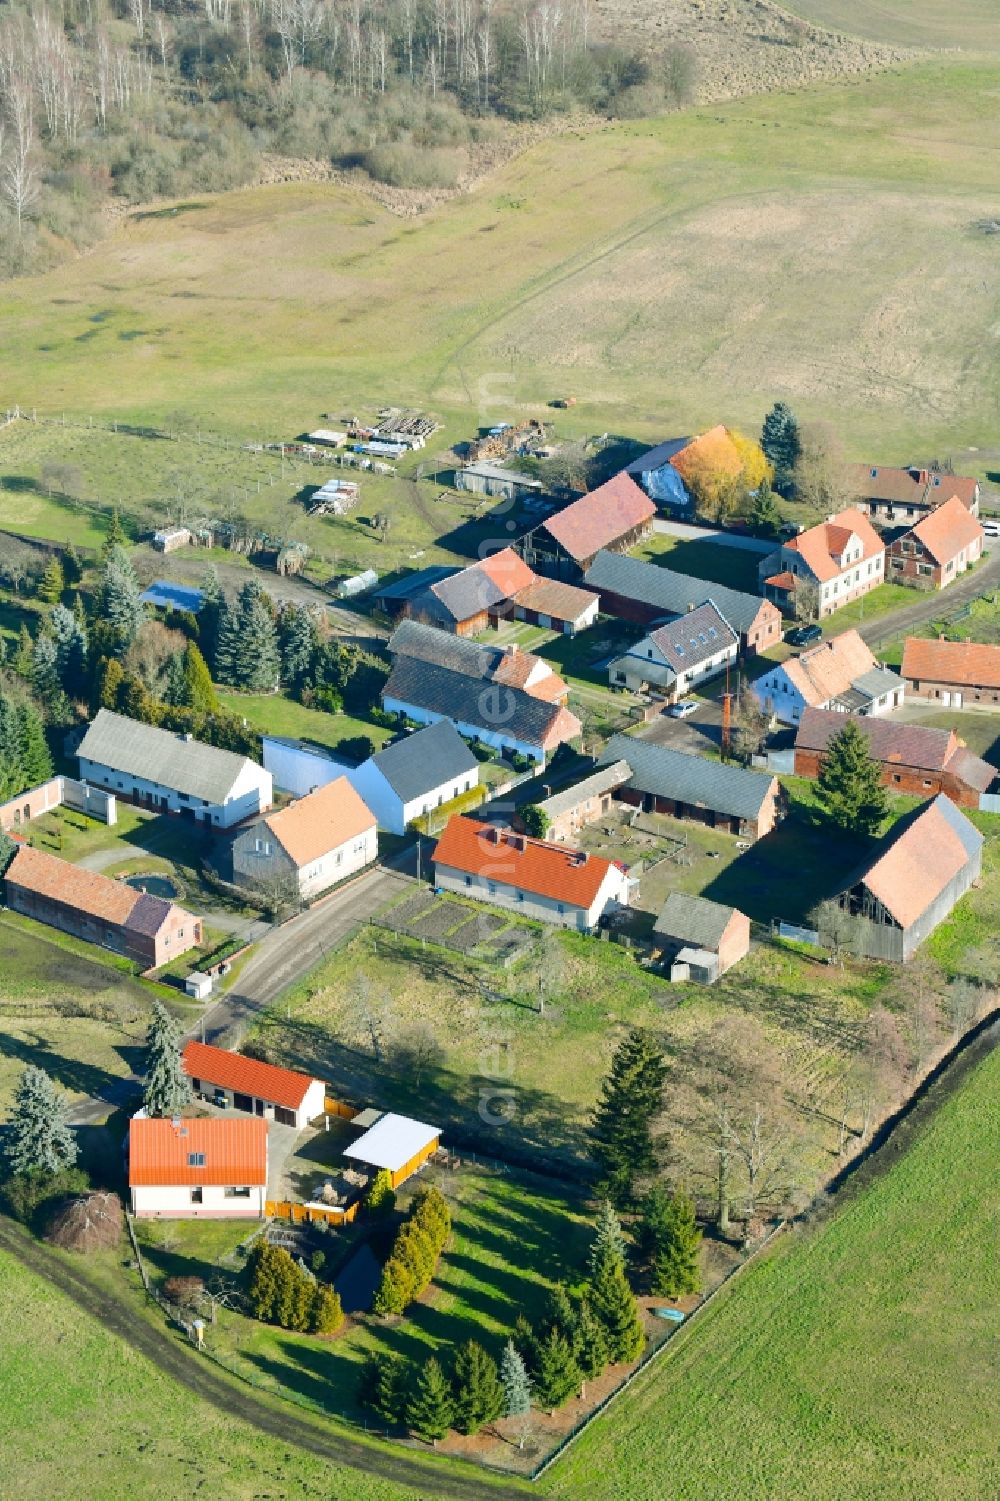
(273, 715)
(782, 245)
(972, 25)
(812, 1376)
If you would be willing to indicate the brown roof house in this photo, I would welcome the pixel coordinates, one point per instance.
(646, 594)
(144, 928)
(954, 672)
(920, 869)
(840, 674)
(301, 850)
(472, 599)
(828, 565)
(535, 877)
(933, 553)
(701, 939)
(893, 495)
(616, 516)
(914, 757)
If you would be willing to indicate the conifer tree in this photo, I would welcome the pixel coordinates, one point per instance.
(780, 440)
(38, 1139)
(515, 1382)
(557, 1377)
(384, 1386)
(591, 1343)
(560, 1315)
(175, 687)
(849, 785)
(10, 748)
(52, 582)
(35, 759)
(110, 680)
(247, 651)
(613, 1304)
(72, 567)
(479, 1396)
(674, 1241)
(168, 1087)
(621, 1133)
(608, 1246)
(121, 608)
(430, 1408)
(199, 690)
(114, 536)
(24, 655)
(70, 639)
(213, 603)
(226, 663)
(297, 636)
(381, 1198)
(45, 681)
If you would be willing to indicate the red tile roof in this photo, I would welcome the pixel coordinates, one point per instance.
(781, 581)
(560, 601)
(601, 518)
(234, 1148)
(321, 821)
(514, 860)
(88, 892)
(217, 1066)
(828, 669)
(920, 862)
(508, 570)
(947, 530)
(965, 664)
(821, 546)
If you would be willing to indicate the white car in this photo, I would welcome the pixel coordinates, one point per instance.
(683, 708)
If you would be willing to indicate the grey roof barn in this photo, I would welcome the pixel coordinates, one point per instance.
(663, 772)
(425, 759)
(161, 756)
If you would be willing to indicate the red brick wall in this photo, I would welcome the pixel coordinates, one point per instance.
(909, 779)
(735, 943)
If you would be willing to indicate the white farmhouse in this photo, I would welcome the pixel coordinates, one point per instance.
(840, 674)
(416, 775)
(172, 773)
(206, 1168)
(674, 657)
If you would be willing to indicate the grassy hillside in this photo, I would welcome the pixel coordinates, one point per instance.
(970, 24)
(815, 246)
(810, 1378)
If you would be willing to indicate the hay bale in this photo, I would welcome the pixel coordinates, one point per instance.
(93, 1222)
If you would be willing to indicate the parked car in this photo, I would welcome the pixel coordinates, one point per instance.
(990, 526)
(804, 635)
(682, 708)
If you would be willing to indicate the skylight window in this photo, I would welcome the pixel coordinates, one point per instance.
(196, 1159)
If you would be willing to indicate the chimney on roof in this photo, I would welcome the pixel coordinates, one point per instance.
(578, 857)
(518, 841)
(690, 606)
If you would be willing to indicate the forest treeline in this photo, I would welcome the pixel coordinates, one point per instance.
(146, 98)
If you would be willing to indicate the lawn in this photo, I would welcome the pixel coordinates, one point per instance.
(781, 244)
(969, 24)
(67, 1008)
(810, 1377)
(879, 602)
(273, 714)
(735, 567)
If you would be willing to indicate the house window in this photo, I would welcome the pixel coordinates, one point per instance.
(619, 677)
(262, 846)
(520, 896)
(468, 880)
(925, 569)
(560, 909)
(180, 932)
(236, 1193)
(196, 1159)
(896, 777)
(339, 858)
(196, 1196)
(491, 887)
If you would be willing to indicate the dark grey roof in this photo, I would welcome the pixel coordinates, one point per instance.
(142, 750)
(470, 701)
(876, 681)
(424, 760)
(693, 919)
(664, 772)
(663, 589)
(148, 915)
(694, 638)
(656, 457)
(414, 583)
(468, 593)
(971, 839)
(428, 643)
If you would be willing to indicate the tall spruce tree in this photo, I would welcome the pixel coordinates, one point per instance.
(430, 1407)
(70, 638)
(168, 1087)
(621, 1133)
(39, 1140)
(33, 750)
(515, 1382)
(557, 1375)
(591, 1343)
(72, 567)
(479, 1396)
(46, 683)
(849, 786)
(121, 608)
(668, 1238)
(10, 748)
(608, 1245)
(52, 583)
(297, 638)
(613, 1304)
(115, 534)
(258, 666)
(780, 440)
(213, 603)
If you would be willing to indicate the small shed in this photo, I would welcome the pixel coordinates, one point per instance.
(171, 538)
(702, 939)
(198, 985)
(398, 1144)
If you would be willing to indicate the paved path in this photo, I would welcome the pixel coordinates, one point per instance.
(688, 533)
(933, 606)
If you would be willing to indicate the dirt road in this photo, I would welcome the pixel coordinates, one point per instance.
(167, 1352)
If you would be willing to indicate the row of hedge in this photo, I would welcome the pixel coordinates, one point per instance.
(415, 1253)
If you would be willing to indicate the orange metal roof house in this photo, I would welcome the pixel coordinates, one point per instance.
(209, 1150)
(265, 1081)
(966, 664)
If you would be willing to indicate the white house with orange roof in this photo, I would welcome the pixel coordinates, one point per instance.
(253, 1086)
(197, 1168)
(841, 559)
(316, 841)
(839, 674)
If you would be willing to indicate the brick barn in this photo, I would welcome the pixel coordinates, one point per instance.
(914, 758)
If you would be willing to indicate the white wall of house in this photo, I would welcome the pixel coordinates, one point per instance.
(312, 1103)
(298, 770)
(251, 793)
(495, 738)
(645, 664)
(338, 864)
(392, 813)
(180, 1201)
(613, 893)
(785, 699)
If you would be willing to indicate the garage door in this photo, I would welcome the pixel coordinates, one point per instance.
(284, 1117)
(243, 1102)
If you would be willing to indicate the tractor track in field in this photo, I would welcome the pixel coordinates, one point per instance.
(427, 1481)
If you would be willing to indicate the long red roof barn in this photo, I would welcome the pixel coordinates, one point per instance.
(242, 1075)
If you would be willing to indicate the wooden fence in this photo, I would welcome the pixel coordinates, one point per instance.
(310, 1214)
